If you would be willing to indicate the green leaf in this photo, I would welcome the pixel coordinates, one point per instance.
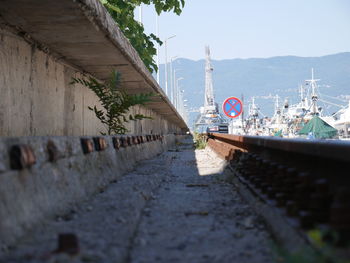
(122, 12)
(115, 102)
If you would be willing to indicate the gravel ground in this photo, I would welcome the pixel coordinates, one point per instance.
(173, 208)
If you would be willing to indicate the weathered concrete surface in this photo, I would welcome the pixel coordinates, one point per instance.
(161, 212)
(43, 44)
(36, 98)
(32, 195)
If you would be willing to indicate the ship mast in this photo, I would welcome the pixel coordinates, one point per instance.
(277, 106)
(314, 97)
(209, 100)
(301, 91)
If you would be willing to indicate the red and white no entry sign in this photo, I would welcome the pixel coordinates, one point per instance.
(232, 107)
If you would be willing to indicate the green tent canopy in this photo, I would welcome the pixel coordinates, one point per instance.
(278, 133)
(319, 128)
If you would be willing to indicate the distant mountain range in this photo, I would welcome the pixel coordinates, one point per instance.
(261, 77)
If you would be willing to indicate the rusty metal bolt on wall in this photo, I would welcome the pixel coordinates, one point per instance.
(129, 140)
(100, 143)
(87, 145)
(138, 138)
(135, 140)
(123, 142)
(21, 156)
(116, 143)
(52, 151)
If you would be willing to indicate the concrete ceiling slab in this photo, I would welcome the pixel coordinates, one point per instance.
(82, 33)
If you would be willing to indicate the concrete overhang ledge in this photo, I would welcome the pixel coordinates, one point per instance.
(83, 34)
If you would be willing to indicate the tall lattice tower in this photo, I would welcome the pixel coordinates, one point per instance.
(209, 101)
(210, 118)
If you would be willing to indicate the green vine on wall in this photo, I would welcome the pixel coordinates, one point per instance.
(116, 103)
(122, 12)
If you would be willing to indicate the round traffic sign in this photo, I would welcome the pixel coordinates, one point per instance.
(232, 107)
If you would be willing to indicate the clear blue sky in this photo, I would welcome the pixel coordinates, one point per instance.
(255, 28)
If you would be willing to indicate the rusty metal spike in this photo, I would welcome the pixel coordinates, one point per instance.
(87, 145)
(116, 143)
(129, 140)
(21, 156)
(124, 142)
(100, 143)
(52, 151)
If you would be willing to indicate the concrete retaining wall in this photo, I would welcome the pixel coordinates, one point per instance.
(36, 98)
(60, 173)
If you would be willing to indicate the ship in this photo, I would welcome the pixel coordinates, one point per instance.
(341, 121)
(296, 120)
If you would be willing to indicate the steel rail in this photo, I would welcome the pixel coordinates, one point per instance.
(309, 179)
(326, 149)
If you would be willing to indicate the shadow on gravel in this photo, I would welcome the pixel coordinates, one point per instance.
(197, 217)
(169, 209)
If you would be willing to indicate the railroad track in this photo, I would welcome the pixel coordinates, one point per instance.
(307, 180)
